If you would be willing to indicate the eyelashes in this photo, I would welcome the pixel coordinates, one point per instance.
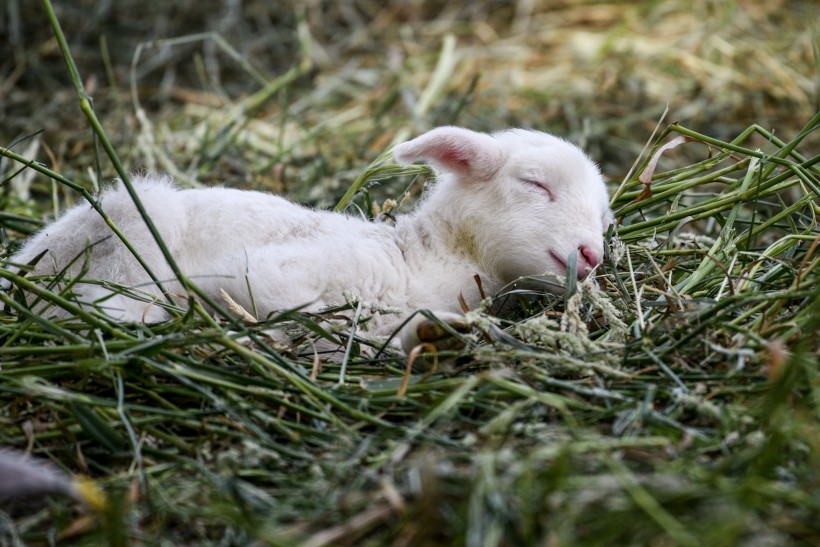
(541, 187)
(536, 183)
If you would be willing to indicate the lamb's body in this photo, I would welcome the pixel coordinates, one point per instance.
(491, 214)
(226, 239)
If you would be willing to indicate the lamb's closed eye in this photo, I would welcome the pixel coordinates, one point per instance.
(269, 254)
(540, 186)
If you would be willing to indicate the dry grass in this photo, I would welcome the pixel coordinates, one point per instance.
(599, 74)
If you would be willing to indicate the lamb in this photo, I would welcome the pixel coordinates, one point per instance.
(508, 204)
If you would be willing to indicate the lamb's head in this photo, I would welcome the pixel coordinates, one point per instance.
(517, 202)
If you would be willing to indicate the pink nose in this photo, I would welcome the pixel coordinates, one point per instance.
(589, 260)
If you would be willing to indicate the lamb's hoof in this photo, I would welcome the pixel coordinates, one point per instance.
(430, 344)
(433, 333)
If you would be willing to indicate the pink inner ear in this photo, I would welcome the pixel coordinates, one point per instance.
(454, 158)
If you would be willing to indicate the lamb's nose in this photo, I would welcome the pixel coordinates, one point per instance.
(590, 259)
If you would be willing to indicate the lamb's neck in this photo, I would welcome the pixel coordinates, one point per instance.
(442, 260)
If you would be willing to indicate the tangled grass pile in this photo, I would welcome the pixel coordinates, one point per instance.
(671, 400)
(675, 398)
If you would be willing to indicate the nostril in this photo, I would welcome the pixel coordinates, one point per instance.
(590, 257)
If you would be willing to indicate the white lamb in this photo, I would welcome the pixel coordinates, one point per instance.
(508, 204)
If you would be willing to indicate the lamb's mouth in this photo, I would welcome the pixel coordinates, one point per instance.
(582, 273)
(561, 262)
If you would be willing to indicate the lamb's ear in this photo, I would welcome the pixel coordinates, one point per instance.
(455, 150)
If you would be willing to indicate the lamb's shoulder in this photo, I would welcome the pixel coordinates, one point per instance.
(346, 255)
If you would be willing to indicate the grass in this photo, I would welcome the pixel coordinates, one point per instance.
(675, 401)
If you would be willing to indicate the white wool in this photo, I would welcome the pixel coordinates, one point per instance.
(508, 204)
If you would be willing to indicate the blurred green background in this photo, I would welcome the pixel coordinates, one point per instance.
(599, 73)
